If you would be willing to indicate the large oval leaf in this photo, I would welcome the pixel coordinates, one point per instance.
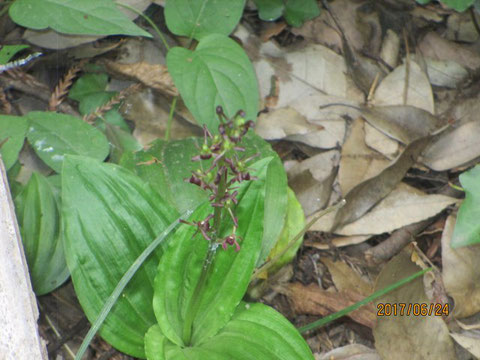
(86, 17)
(54, 135)
(39, 220)
(110, 218)
(180, 268)
(255, 331)
(198, 18)
(218, 72)
(12, 136)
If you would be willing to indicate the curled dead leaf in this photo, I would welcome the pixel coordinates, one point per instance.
(155, 76)
(368, 193)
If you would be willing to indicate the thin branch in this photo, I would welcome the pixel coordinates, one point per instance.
(62, 88)
(101, 110)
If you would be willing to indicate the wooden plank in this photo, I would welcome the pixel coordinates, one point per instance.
(19, 337)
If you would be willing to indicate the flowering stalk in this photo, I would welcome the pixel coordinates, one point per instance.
(220, 180)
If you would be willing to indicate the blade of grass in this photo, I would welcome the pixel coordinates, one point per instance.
(327, 319)
(112, 299)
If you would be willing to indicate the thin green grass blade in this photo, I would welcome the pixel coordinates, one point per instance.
(123, 283)
(348, 309)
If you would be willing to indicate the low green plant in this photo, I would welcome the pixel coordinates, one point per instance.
(111, 214)
(458, 5)
(295, 12)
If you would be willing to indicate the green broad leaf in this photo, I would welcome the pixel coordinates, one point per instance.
(196, 19)
(423, 2)
(218, 72)
(467, 228)
(12, 137)
(88, 84)
(8, 51)
(269, 10)
(275, 206)
(295, 222)
(89, 91)
(54, 135)
(121, 142)
(110, 217)
(37, 208)
(86, 17)
(299, 11)
(459, 5)
(229, 275)
(256, 331)
(166, 165)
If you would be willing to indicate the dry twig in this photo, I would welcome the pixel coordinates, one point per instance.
(101, 110)
(61, 90)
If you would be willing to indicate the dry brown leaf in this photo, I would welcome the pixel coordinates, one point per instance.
(271, 30)
(346, 279)
(368, 193)
(460, 27)
(438, 48)
(419, 92)
(469, 340)
(409, 337)
(155, 76)
(350, 352)
(402, 122)
(390, 48)
(445, 73)
(339, 241)
(304, 77)
(358, 162)
(461, 273)
(333, 123)
(312, 179)
(150, 117)
(361, 30)
(380, 142)
(403, 206)
(312, 300)
(458, 144)
(284, 123)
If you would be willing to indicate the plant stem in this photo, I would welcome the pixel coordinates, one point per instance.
(222, 188)
(208, 261)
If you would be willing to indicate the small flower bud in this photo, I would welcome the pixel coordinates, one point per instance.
(194, 180)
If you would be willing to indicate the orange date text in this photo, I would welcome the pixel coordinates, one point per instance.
(412, 309)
